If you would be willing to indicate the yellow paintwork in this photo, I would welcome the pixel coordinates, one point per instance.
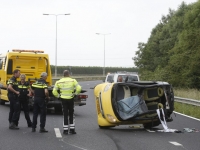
(108, 109)
(106, 104)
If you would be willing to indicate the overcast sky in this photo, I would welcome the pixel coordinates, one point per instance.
(23, 26)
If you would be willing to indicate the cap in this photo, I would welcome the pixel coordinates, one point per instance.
(43, 74)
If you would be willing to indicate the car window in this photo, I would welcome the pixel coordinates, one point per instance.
(132, 78)
(110, 78)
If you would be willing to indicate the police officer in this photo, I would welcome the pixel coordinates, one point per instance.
(68, 89)
(13, 94)
(40, 95)
(25, 92)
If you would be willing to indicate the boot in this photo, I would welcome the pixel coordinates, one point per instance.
(65, 132)
(43, 130)
(72, 131)
(13, 126)
(33, 129)
(30, 124)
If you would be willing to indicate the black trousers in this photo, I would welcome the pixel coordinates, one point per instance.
(24, 104)
(39, 106)
(68, 112)
(14, 108)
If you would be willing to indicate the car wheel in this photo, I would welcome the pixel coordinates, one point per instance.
(150, 125)
(58, 108)
(2, 102)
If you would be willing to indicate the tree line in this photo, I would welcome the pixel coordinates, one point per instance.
(172, 52)
(81, 70)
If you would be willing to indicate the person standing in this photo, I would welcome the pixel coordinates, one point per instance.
(25, 92)
(68, 88)
(41, 94)
(13, 94)
(120, 79)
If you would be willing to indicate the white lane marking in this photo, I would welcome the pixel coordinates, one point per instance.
(150, 130)
(187, 116)
(175, 143)
(57, 131)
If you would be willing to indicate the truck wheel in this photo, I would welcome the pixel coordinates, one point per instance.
(2, 102)
(58, 108)
(151, 125)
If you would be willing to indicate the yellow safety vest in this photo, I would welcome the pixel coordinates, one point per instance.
(68, 87)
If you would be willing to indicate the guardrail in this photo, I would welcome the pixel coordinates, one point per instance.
(187, 101)
(177, 99)
(83, 78)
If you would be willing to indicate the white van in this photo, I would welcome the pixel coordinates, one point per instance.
(126, 76)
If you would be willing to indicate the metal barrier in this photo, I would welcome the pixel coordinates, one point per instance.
(187, 101)
(176, 99)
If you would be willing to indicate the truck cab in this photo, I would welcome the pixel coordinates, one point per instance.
(31, 63)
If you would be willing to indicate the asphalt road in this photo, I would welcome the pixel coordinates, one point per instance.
(90, 137)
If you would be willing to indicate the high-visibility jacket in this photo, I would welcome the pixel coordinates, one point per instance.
(39, 87)
(67, 88)
(14, 83)
(23, 89)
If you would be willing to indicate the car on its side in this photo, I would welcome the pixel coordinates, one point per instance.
(114, 77)
(125, 103)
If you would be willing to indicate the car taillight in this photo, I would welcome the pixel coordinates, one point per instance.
(82, 96)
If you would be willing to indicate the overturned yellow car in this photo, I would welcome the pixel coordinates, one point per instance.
(125, 103)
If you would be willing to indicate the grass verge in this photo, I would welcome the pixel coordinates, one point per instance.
(190, 110)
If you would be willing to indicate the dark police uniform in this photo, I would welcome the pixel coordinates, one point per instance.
(14, 103)
(24, 100)
(39, 103)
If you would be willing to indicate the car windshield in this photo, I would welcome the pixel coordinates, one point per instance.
(110, 78)
(130, 78)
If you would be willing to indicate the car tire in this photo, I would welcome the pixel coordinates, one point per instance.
(2, 102)
(150, 125)
(58, 108)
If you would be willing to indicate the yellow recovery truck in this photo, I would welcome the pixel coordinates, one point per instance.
(31, 63)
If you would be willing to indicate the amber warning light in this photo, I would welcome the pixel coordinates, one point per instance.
(34, 51)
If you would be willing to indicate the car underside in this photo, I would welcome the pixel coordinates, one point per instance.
(134, 103)
(138, 101)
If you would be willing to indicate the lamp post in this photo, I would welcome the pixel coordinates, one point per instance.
(56, 41)
(104, 34)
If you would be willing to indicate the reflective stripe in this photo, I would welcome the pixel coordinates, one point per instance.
(67, 94)
(71, 88)
(65, 128)
(39, 86)
(72, 125)
(56, 88)
(23, 87)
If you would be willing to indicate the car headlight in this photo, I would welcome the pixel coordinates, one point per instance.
(107, 87)
(111, 118)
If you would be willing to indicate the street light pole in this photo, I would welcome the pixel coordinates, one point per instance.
(104, 50)
(56, 41)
